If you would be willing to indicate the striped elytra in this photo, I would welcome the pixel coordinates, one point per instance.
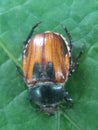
(46, 57)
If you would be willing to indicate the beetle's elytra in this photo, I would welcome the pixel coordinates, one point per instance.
(46, 58)
(47, 63)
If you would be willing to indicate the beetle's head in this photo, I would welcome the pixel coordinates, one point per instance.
(47, 95)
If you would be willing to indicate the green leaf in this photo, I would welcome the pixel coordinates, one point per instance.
(16, 20)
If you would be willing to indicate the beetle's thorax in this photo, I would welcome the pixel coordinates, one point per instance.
(47, 94)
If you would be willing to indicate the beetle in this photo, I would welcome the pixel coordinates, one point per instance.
(47, 63)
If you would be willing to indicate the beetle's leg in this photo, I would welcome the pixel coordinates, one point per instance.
(19, 71)
(68, 99)
(31, 32)
(75, 63)
(69, 38)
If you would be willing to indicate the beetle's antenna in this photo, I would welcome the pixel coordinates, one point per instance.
(31, 32)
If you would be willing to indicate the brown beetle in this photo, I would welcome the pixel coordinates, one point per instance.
(47, 63)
